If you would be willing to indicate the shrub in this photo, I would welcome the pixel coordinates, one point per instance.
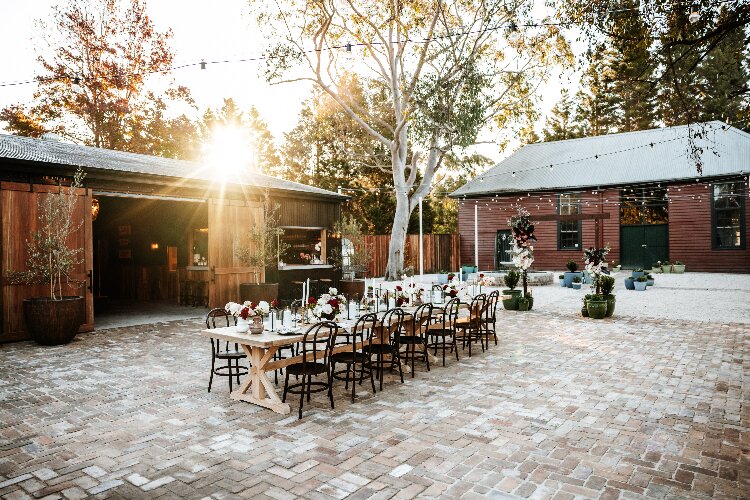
(576, 280)
(638, 270)
(562, 276)
(596, 297)
(678, 263)
(511, 279)
(641, 279)
(607, 284)
(572, 266)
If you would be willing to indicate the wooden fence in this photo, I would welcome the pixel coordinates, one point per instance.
(441, 252)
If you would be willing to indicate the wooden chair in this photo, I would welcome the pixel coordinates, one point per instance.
(362, 334)
(317, 341)
(442, 334)
(422, 319)
(219, 318)
(470, 328)
(391, 326)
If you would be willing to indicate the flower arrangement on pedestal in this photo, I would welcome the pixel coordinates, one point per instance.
(328, 305)
(522, 230)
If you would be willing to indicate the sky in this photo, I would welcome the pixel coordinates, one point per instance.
(215, 30)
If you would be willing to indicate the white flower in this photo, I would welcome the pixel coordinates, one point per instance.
(263, 307)
(333, 291)
(327, 309)
(233, 308)
(317, 247)
(317, 310)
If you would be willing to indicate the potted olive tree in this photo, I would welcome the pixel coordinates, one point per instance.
(55, 318)
(352, 258)
(260, 250)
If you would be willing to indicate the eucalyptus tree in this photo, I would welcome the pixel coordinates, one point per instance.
(447, 67)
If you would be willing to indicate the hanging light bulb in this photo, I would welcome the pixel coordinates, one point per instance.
(513, 174)
(203, 64)
(514, 36)
(695, 15)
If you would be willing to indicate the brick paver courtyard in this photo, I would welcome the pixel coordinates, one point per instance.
(562, 408)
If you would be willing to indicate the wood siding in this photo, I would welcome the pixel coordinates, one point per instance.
(690, 233)
(18, 211)
(690, 230)
(441, 252)
(307, 212)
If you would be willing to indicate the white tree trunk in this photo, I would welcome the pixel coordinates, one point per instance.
(395, 267)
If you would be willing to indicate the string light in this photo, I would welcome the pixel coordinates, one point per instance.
(695, 15)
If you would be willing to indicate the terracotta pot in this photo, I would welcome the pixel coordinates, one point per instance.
(53, 322)
(255, 292)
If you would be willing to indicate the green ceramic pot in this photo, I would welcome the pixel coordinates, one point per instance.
(597, 308)
(584, 311)
(512, 303)
(610, 306)
(523, 304)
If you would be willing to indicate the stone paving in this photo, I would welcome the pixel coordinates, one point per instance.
(563, 407)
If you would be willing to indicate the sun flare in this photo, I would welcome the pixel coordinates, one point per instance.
(229, 152)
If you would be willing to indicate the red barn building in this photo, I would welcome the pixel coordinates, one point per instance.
(676, 193)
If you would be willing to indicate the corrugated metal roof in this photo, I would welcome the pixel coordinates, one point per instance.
(60, 153)
(656, 155)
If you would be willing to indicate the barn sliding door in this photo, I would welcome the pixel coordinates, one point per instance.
(18, 210)
(228, 224)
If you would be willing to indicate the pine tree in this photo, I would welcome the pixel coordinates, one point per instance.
(560, 124)
(632, 69)
(723, 80)
(596, 113)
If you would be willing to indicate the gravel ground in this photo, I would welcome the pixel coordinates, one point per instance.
(709, 297)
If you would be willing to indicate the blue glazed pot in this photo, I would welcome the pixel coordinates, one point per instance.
(569, 278)
(629, 283)
(650, 283)
(638, 274)
(640, 285)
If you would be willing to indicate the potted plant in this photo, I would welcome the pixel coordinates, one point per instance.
(640, 283)
(606, 285)
(352, 258)
(666, 267)
(571, 273)
(576, 283)
(616, 267)
(55, 318)
(584, 310)
(511, 281)
(637, 273)
(443, 277)
(656, 267)
(260, 250)
(596, 306)
(523, 304)
(630, 283)
(562, 280)
(650, 280)
(678, 267)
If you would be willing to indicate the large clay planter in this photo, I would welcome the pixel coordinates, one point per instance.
(610, 306)
(53, 322)
(597, 308)
(352, 288)
(629, 284)
(678, 269)
(512, 303)
(638, 274)
(255, 292)
(640, 286)
(666, 269)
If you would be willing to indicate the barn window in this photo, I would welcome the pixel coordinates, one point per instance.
(728, 216)
(569, 232)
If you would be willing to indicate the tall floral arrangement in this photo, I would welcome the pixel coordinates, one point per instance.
(522, 230)
(595, 260)
(328, 305)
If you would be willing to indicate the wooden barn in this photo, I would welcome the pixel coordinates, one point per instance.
(641, 193)
(152, 226)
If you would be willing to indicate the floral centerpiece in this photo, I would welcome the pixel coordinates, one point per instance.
(523, 243)
(246, 311)
(452, 289)
(328, 305)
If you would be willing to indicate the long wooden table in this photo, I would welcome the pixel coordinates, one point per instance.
(260, 350)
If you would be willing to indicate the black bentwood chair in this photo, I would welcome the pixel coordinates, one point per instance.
(217, 318)
(317, 342)
(355, 359)
(390, 325)
(422, 319)
(489, 320)
(471, 327)
(442, 334)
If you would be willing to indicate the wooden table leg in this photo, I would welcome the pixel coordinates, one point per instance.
(263, 391)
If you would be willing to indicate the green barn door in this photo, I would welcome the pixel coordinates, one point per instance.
(641, 246)
(502, 249)
(644, 227)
